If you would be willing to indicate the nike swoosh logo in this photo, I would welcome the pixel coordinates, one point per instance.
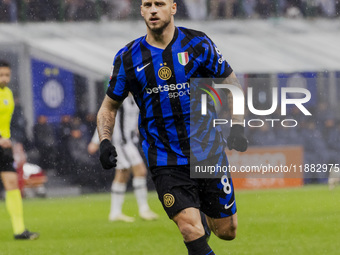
(228, 206)
(140, 69)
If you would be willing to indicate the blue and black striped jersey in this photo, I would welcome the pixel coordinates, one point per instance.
(159, 80)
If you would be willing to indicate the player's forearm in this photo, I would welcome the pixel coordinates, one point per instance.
(105, 123)
(232, 79)
(106, 118)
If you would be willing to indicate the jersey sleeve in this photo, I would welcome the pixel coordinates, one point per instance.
(214, 63)
(118, 88)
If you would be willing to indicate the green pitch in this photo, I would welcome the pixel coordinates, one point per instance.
(290, 221)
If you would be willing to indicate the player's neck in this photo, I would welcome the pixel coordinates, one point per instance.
(161, 40)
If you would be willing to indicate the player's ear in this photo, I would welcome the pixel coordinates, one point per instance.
(173, 8)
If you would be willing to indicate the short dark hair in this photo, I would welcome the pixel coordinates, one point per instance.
(4, 63)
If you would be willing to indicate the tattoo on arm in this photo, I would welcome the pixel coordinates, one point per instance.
(106, 118)
(105, 128)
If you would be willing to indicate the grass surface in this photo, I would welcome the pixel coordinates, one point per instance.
(286, 221)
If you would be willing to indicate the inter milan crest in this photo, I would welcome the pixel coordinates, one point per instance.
(164, 72)
(168, 200)
(183, 58)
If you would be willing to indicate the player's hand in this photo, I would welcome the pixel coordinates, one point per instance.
(236, 139)
(108, 154)
(5, 143)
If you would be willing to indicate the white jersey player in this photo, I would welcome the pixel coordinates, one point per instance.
(128, 158)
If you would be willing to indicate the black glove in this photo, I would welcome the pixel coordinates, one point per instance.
(236, 139)
(108, 154)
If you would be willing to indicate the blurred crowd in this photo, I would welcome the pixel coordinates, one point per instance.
(62, 147)
(96, 10)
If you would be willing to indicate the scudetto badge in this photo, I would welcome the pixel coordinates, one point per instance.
(183, 58)
(168, 199)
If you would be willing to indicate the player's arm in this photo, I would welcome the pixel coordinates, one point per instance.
(93, 146)
(5, 143)
(117, 91)
(232, 80)
(106, 118)
(221, 69)
(236, 139)
(105, 123)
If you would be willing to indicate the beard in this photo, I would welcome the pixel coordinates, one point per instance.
(159, 28)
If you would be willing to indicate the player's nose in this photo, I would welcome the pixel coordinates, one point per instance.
(153, 9)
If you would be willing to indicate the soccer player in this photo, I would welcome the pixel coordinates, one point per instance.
(128, 158)
(156, 69)
(7, 172)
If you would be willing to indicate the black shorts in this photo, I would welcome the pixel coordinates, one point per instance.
(177, 191)
(6, 160)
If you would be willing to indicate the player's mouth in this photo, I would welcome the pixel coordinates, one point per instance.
(154, 20)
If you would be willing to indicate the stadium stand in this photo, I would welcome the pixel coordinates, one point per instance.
(96, 10)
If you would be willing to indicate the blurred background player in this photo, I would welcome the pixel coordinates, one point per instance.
(9, 176)
(334, 177)
(129, 158)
